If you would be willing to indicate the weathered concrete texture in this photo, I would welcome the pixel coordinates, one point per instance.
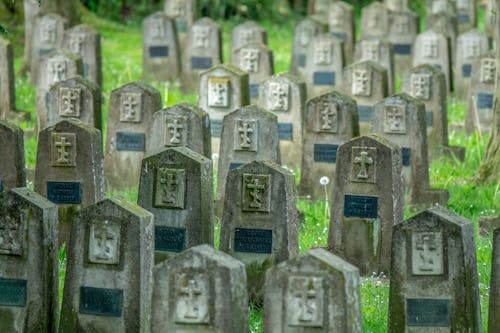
(341, 24)
(380, 52)
(374, 21)
(12, 168)
(444, 21)
(246, 32)
(183, 12)
(403, 29)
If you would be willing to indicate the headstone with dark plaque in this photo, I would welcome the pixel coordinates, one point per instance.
(380, 51)
(285, 95)
(200, 290)
(160, 48)
(203, 50)
(314, 292)
(131, 109)
(341, 25)
(367, 201)
(374, 21)
(12, 170)
(403, 29)
(109, 270)
(260, 221)
(434, 281)
(330, 120)
(401, 120)
(445, 23)
(244, 33)
(494, 304)
(183, 12)
(466, 14)
(176, 186)
(29, 262)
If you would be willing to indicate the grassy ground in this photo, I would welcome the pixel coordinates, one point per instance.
(122, 63)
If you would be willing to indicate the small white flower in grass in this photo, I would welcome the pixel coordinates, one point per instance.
(324, 180)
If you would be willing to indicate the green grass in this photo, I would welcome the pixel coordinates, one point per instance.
(122, 51)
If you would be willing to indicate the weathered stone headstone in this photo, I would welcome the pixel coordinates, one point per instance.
(7, 80)
(131, 109)
(285, 95)
(445, 23)
(380, 52)
(109, 272)
(244, 33)
(75, 98)
(494, 305)
(466, 14)
(176, 186)
(323, 70)
(434, 283)
(260, 221)
(396, 5)
(160, 49)
(203, 50)
(86, 42)
(316, 291)
(305, 31)
(401, 119)
(329, 121)
(367, 201)
(12, 171)
(184, 13)
(403, 29)
(341, 25)
(66, 8)
(29, 262)
(374, 21)
(200, 290)
(31, 11)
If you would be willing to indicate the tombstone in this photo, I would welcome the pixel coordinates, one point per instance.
(7, 80)
(31, 12)
(367, 202)
(183, 12)
(433, 48)
(438, 6)
(181, 125)
(304, 32)
(396, 5)
(380, 52)
(285, 95)
(260, 221)
(401, 119)
(223, 89)
(176, 186)
(77, 98)
(12, 170)
(67, 9)
(366, 82)
(319, 8)
(131, 109)
(445, 23)
(403, 29)
(48, 33)
(494, 303)
(203, 50)
(470, 45)
(160, 48)
(29, 262)
(55, 67)
(479, 117)
(244, 33)
(323, 71)
(257, 60)
(466, 15)
(341, 25)
(434, 283)
(374, 21)
(197, 291)
(330, 120)
(316, 291)
(109, 273)
(86, 42)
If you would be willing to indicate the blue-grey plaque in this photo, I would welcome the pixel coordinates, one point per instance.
(484, 101)
(169, 238)
(429, 118)
(324, 152)
(180, 25)
(253, 240)
(86, 70)
(302, 60)
(158, 51)
(428, 312)
(324, 78)
(64, 192)
(403, 49)
(466, 70)
(101, 301)
(254, 90)
(235, 165)
(365, 113)
(340, 35)
(406, 152)
(130, 141)
(44, 52)
(360, 206)
(215, 127)
(201, 62)
(463, 18)
(285, 131)
(438, 66)
(13, 292)
(1, 185)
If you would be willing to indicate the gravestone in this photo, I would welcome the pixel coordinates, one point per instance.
(445, 23)
(401, 119)
(183, 12)
(479, 117)
(223, 89)
(176, 186)
(77, 98)
(202, 51)
(374, 21)
(494, 304)
(244, 33)
(367, 201)
(69, 169)
(7, 80)
(31, 12)
(66, 8)
(341, 25)
(285, 95)
(367, 83)
(466, 15)
(396, 5)
(329, 121)
(181, 125)
(200, 290)
(12, 170)
(47, 37)
(380, 52)
(403, 29)
(260, 221)
(131, 109)
(314, 292)
(86, 42)
(433, 48)
(257, 60)
(323, 70)
(29, 262)
(319, 8)
(434, 283)
(55, 67)
(160, 48)
(248, 134)
(109, 272)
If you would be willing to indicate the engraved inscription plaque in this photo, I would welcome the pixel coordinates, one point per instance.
(169, 239)
(158, 51)
(430, 48)
(193, 301)
(364, 165)
(175, 131)
(327, 117)
(48, 31)
(246, 135)
(370, 50)
(427, 253)
(249, 60)
(421, 86)
(101, 301)
(361, 82)
(130, 107)
(64, 192)
(253, 240)
(69, 102)
(104, 242)
(323, 53)
(484, 101)
(466, 70)
(76, 40)
(201, 37)
(406, 156)
(256, 193)
(323, 78)
(487, 71)
(304, 301)
(285, 131)
(130, 141)
(12, 233)
(402, 49)
(363, 206)
(219, 92)
(278, 97)
(63, 149)
(13, 292)
(254, 90)
(365, 112)
(395, 119)
(201, 62)
(170, 188)
(57, 70)
(324, 152)
(215, 127)
(428, 312)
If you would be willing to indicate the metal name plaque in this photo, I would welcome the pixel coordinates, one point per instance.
(215, 127)
(406, 152)
(201, 62)
(285, 131)
(13, 292)
(428, 312)
(130, 141)
(463, 18)
(44, 52)
(302, 60)
(340, 35)
(403, 49)
(101, 301)
(253, 240)
(360, 206)
(324, 78)
(64, 192)
(466, 70)
(254, 90)
(325, 152)
(169, 239)
(484, 101)
(180, 25)
(158, 51)
(1, 185)
(235, 165)
(429, 118)
(365, 113)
